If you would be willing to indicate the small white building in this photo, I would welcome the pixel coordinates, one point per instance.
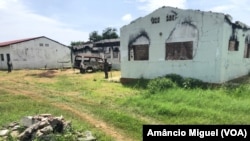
(35, 53)
(204, 45)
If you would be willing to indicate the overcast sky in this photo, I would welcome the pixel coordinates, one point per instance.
(73, 20)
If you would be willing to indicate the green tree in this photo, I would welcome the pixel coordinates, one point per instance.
(94, 36)
(109, 33)
(76, 43)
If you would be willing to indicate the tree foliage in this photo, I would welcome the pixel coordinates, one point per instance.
(94, 36)
(108, 33)
(76, 43)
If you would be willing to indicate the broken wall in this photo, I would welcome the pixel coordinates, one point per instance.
(235, 60)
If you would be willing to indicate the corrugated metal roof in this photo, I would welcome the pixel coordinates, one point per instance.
(107, 43)
(3, 44)
(16, 41)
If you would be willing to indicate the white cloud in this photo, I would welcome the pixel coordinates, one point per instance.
(222, 8)
(238, 9)
(151, 5)
(2, 4)
(127, 18)
(18, 22)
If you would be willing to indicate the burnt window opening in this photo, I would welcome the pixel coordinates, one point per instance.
(179, 51)
(115, 52)
(47, 45)
(41, 44)
(138, 46)
(233, 45)
(8, 56)
(2, 57)
(107, 50)
(247, 51)
(141, 52)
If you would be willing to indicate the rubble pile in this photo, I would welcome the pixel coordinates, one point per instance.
(43, 127)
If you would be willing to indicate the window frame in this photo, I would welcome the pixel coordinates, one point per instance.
(2, 57)
(235, 47)
(179, 50)
(247, 50)
(137, 52)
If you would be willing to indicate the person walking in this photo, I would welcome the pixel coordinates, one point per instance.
(106, 68)
(9, 64)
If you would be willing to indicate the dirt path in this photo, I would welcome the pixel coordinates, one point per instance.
(103, 126)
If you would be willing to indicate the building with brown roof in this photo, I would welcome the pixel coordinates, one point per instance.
(34, 53)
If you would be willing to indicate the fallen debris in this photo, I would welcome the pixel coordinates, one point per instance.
(44, 127)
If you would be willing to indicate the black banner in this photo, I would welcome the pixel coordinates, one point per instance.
(196, 132)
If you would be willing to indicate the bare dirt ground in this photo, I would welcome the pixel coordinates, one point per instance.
(22, 89)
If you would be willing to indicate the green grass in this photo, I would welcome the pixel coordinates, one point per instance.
(14, 107)
(180, 106)
(125, 107)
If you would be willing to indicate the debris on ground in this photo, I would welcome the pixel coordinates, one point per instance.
(43, 127)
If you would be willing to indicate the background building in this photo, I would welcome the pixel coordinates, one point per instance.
(108, 48)
(192, 43)
(34, 53)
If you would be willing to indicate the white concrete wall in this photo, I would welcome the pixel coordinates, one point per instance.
(206, 31)
(30, 55)
(233, 63)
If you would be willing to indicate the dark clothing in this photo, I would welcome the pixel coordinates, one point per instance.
(106, 75)
(9, 64)
(106, 68)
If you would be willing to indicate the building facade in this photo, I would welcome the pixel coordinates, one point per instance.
(203, 45)
(34, 53)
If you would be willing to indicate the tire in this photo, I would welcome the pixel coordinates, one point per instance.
(82, 70)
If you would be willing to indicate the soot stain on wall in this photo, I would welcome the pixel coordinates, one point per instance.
(133, 39)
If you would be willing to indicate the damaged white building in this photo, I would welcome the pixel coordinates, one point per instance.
(204, 45)
(34, 53)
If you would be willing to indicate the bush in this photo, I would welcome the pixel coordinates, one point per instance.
(175, 78)
(191, 83)
(160, 84)
(187, 83)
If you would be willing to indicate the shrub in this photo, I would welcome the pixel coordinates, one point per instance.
(191, 83)
(160, 84)
(175, 78)
(187, 83)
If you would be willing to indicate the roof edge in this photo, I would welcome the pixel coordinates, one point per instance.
(7, 43)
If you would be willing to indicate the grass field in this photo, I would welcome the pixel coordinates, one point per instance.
(113, 111)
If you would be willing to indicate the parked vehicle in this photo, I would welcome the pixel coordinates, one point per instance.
(89, 63)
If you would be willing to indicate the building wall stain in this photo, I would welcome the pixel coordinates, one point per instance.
(133, 39)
